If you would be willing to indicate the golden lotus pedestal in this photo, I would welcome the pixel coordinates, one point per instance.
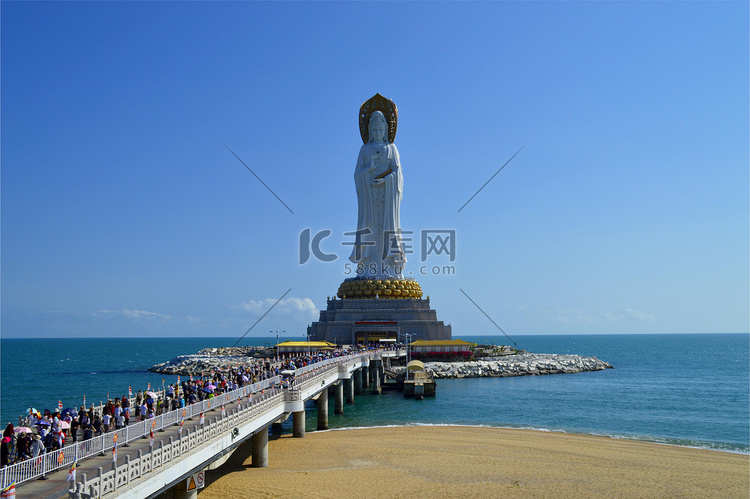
(379, 288)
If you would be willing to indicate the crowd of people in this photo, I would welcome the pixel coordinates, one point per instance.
(50, 430)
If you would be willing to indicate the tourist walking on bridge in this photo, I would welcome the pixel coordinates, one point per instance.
(74, 425)
(5, 452)
(22, 447)
(37, 447)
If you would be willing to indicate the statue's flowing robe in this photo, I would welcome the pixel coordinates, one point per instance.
(379, 211)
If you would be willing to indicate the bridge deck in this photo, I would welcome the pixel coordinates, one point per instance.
(56, 486)
(210, 441)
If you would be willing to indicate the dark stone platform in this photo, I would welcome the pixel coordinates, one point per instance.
(350, 321)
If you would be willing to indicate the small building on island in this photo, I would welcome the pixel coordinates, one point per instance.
(304, 346)
(431, 346)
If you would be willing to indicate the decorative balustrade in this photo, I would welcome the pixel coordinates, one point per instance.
(163, 454)
(133, 469)
(261, 397)
(65, 457)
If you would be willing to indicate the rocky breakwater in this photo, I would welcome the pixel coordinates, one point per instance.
(211, 358)
(525, 364)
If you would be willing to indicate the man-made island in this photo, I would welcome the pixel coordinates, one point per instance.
(515, 363)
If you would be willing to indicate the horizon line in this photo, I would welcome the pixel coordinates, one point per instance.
(302, 336)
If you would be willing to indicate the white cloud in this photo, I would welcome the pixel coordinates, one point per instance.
(640, 316)
(582, 316)
(131, 314)
(300, 308)
(612, 317)
(573, 316)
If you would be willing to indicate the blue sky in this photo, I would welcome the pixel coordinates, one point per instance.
(124, 213)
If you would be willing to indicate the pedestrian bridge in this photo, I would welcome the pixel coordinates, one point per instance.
(127, 463)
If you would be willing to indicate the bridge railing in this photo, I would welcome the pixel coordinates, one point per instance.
(105, 483)
(303, 373)
(24, 420)
(133, 469)
(255, 393)
(65, 457)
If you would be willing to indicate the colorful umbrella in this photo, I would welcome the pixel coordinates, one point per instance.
(22, 429)
(70, 410)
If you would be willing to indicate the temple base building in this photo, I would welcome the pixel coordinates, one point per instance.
(358, 321)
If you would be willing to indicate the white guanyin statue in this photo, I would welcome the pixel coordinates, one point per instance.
(378, 250)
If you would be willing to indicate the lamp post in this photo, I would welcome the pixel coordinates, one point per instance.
(408, 346)
(407, 337)
(277, 342)
(277, 345)
(408, 353)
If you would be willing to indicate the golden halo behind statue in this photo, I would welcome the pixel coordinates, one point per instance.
(386, 106)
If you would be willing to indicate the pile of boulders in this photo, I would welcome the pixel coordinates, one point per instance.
(525, 364)
(212, 359)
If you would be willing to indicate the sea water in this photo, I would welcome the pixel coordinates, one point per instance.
(691, 389)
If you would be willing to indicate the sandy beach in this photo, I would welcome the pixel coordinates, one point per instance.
(439, 461)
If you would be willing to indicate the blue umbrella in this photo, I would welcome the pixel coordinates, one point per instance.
(43, 423)
(70, 410)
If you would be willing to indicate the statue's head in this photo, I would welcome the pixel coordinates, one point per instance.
(378, 127)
